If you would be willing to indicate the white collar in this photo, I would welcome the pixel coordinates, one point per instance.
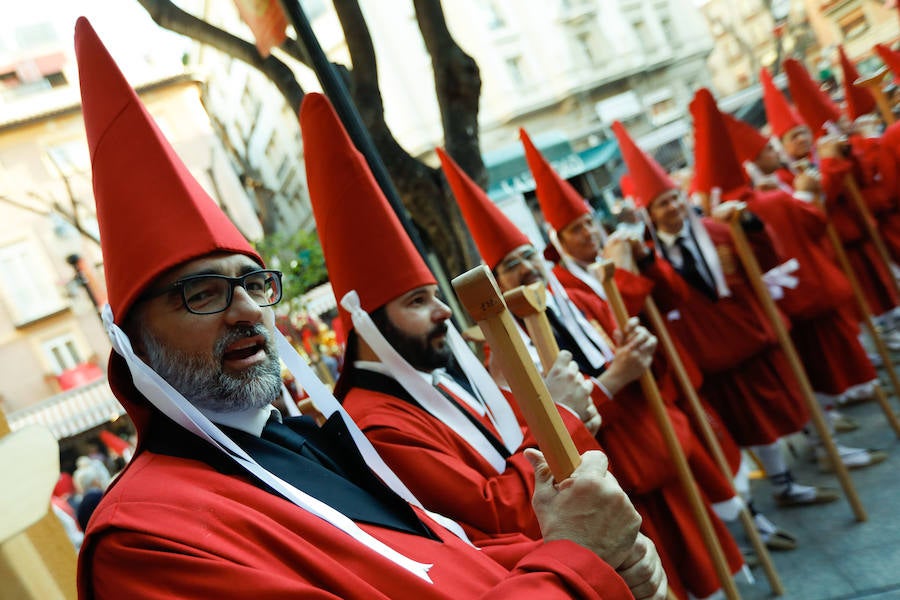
(250, 420)
(669, 238)
(438, 375)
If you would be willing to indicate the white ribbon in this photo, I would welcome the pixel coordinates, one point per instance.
(708, 253)
(780, 277)
(760, 179)
(425, 394)
(597, 352)
(172, 404)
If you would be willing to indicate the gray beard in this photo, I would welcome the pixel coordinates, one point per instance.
(202, 381)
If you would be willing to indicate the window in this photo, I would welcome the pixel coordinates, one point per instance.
(514, 68)
(854, 24)
(492, 16)
(583, 42)
(28, 283)
(62, 353)
(68, 158)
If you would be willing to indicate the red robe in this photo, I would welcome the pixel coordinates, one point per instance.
(177, 527)
(825, 336)
(669, 291)
(445, 473)
(873, 276)
(747, 378)
(640, 460)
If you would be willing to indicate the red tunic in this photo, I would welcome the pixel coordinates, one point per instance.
(172, 526)
(873, 276)
(825, 338)
(746, 376)
(640, 460)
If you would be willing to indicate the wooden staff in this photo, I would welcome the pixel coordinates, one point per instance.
(478, 292)
(873, 83)
(37, 560)
(866, 313)
(604, 272)
(754, 274)
(687, 388)
(529, 303)
(871, 227)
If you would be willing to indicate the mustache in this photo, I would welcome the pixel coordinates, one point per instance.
(437, 331)
(239, 332)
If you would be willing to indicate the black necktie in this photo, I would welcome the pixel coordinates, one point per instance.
(279, 433)
(690, 271)
(567, 341)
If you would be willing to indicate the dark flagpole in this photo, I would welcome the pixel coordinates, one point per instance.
(337, 92)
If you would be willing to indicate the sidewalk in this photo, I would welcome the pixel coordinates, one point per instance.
(839, 558)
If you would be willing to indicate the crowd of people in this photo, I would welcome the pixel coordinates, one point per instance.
(418, 478)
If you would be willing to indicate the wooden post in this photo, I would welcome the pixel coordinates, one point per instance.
(687, 388)
(604, 273)
(529, 303)
(754, 275)
(37, 560)
(873, 83)
(871, 227)
(869, 324)
(479, 294)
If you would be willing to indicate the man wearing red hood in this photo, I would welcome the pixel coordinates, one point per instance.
(224, 498)
(810, 288)
(628, 433)
(838, 157)
(722, 325)
(570, 222)
(418, 393)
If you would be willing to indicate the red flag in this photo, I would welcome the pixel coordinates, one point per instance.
(266, 20)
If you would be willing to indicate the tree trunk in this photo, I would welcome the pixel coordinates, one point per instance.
(422, 189)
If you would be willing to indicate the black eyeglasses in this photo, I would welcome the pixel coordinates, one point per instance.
(208, 294)
(513, 263)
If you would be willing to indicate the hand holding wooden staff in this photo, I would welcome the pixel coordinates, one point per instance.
(604, 273)
(754, 275)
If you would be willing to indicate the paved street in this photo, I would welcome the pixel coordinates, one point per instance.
(839, 558)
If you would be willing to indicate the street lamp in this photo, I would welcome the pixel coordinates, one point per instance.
(69, 243)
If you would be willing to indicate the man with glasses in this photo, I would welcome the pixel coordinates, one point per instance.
(224, 498)
(613, 360)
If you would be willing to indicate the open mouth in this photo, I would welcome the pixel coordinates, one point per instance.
(245, 350)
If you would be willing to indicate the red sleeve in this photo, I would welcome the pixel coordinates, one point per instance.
(446, 474)
(669, 288)
(561, 564)
(634, 289)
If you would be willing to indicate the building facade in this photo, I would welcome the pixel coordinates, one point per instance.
(53, 349)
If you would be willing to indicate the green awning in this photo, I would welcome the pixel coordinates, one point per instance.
(508, 172)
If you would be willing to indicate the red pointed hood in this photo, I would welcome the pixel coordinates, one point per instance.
(560, 202)
(493, 232)
(153, 214)
(715, 161)
(366, 248)
(811, 101)
(782, 117)
(747, 141)
(891, 60)
(859, 101)
(648, 179)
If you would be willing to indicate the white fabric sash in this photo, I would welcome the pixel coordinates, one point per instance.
(172, 404)
(597, 353)
(431, 399)
(760, 179)
(780, 277)
(708, 253)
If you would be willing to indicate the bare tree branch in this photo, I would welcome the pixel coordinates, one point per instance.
(170, 17)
